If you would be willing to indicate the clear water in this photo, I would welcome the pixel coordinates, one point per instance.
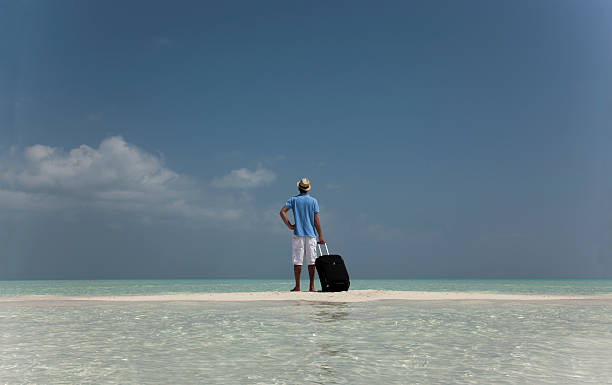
(118, 287)
(307, 343)
(422, 342)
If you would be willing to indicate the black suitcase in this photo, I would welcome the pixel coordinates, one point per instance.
(332, 272)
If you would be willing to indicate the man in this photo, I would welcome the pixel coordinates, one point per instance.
(304, 241)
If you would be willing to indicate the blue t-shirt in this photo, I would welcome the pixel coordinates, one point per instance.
(304, 208)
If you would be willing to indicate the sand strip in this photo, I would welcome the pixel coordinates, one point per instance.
(350, 296)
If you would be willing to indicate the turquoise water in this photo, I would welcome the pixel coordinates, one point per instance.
(294, 342)
(117, 287)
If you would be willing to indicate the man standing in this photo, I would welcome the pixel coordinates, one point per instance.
(304, 241)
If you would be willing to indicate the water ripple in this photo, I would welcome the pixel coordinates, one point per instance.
(288, 343)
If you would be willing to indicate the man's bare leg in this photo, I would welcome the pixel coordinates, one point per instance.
(297, 270)
(311, 271)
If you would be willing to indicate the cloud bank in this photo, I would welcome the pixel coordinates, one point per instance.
(114, 171)
(117, 175)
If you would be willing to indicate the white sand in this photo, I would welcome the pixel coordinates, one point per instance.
(350, 296)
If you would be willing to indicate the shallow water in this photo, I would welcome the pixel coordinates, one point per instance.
(294, 342)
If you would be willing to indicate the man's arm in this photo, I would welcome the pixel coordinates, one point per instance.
(284, 218)
(318, 227)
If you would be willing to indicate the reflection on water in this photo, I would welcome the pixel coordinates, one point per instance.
(330, 311)
(327, 314)
(329, 318)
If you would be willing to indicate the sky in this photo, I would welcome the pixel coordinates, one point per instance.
(443, 139)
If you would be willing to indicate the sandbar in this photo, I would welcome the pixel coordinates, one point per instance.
(350, 296)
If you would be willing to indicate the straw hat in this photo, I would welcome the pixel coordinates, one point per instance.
(304, 184)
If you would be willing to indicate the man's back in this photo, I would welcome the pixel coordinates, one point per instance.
(304, 240)
(304, 208)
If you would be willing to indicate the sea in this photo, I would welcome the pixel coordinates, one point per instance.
(297, 342)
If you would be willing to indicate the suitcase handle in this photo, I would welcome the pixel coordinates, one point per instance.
(326, 249)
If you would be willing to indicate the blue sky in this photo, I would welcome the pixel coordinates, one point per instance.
(442, 138)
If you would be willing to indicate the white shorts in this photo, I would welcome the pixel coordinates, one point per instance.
(301, 246)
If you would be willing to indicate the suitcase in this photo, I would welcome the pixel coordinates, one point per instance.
(332, 272)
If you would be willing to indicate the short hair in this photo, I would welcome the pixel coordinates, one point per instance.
(302, 190)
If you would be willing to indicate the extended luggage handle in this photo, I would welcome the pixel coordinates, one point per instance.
(326, 249)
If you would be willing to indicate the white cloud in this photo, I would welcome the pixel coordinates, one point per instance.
(114, 176)
(114, 171)
(38, 152)
(244, 178)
